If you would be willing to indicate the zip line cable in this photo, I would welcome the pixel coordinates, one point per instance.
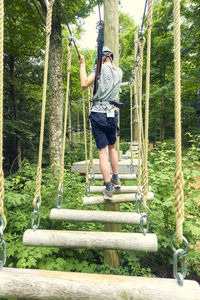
(71, 35)
(145, 7)
(99, 10)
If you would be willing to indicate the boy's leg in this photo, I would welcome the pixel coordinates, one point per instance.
(113, 158)
(105, 170)
(103, 162)
(114, 164)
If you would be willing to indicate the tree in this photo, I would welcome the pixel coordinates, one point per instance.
(22, 64)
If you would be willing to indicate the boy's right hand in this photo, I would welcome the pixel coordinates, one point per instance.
(82, 59)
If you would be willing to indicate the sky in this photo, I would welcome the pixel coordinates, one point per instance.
(134, 8)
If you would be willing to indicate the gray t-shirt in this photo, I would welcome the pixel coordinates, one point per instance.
(108, 87)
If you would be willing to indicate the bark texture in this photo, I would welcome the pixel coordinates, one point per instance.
(111, 40)
(56, 92)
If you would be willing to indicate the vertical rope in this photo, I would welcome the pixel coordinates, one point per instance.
(1, 114)
(139, 130)
(39, 169)
(179, 182)
(146, 140)
(91, 152)
(85, 138)
(69, 60)
(131, 119)
(140, 122)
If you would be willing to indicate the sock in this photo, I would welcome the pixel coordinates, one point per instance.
(109, 186)
(115, 176)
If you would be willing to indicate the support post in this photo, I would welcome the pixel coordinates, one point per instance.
(111, 40)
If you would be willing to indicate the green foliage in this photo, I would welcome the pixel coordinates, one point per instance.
(161, 178)
(19, 193)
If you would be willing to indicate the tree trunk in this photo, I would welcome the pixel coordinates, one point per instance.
(19, 154)
(13, 111)
(162, 125)
(111, 40)
(56, 93)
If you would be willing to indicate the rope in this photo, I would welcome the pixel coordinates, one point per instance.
(146, 140)
(39, 169)
(65, 119)
(91, 152)
(1, 115)
(85, 137)
(179, 182)
(141, 42)
(131, 117)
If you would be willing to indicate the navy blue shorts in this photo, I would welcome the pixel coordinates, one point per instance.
(104, 129)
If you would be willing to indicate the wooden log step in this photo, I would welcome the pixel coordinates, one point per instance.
(55, 285)
(121, 176)
(122, 190)
(91, 240)
(95, 216)
(123, 166)
(118, 198)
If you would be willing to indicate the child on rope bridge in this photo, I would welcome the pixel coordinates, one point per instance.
(104, 116)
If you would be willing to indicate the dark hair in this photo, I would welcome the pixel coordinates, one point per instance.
(106, 58)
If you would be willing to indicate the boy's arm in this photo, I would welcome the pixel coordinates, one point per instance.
(85, 80)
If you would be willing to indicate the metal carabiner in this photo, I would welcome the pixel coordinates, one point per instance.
(138, 198)
(59, 200)
(3, 244)
(36, 212)
(179, 252)
(184, 240)
(2, 225)
(131, 168)
(179, 275)
(87, 191)
(142, 223)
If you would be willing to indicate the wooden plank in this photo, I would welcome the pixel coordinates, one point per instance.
(123, 166)
(121, 176)
(55, 285)
(95, 216)
(126, 84)
(91, 240)
(118, 198)
(123, 190)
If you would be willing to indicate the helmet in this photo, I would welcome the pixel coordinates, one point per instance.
(106, 52)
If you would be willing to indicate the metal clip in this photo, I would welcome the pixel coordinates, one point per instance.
(138, 198)
(71, 38)
(36, 212)
(137, 59)
(142, 223)
(59, 201)
(141, 32)
(87, 191)
(3, 244)
(179, 275)
(2, 225)
(131, 169)
(179, 252)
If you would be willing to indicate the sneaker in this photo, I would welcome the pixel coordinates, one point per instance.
(116, 183)
(107, 194)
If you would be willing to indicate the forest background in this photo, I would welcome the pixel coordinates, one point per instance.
(24, 47)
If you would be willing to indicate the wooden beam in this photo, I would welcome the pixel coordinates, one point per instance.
(95, 216)
(126, 84)
(91, 240)
(55, 285)
(122, 190)
(118, 198)
(121, 176)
